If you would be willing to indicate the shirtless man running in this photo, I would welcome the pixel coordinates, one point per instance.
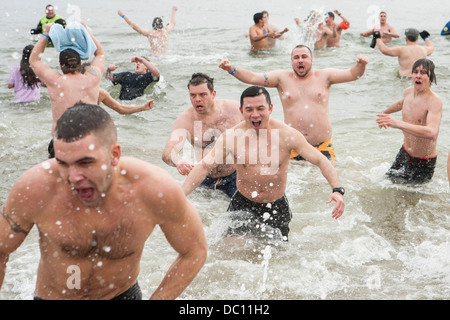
(304, 93)
(94, 211)
(159, 36)
(201, 124)
(422, 113)
(261, 148)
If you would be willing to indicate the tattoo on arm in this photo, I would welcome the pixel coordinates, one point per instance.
(266, 80)
(12, 224)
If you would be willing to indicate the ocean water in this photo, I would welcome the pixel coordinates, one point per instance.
(392, 241)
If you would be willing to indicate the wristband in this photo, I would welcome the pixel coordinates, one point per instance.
(267, 34)
(46, 36)
(234, 71)
(123, 16)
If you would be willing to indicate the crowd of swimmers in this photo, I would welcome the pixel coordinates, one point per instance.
(96, 208)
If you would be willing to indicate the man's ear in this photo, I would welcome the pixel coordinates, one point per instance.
(116, 152)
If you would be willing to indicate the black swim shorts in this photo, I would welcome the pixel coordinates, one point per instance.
(410, 170)
(250, 217)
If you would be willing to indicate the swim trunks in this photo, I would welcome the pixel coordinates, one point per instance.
(407, 169)
(133, 293)
(250, 217)
(226, 184)
(326, 148)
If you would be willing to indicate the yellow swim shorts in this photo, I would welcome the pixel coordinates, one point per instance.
(326, 148)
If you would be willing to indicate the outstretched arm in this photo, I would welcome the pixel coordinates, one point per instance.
(270, 79)
(133, 25)
(352, 74)
(173, 20)
(105, 98)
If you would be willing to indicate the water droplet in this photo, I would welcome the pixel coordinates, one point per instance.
(254, 194)
(107, 248)
(104, 167)
(46, 165)
(91, 147)
(123, 172)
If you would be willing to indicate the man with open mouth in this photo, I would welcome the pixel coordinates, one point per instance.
(421, 117)
(304, 93)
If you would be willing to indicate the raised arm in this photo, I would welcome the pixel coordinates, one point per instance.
(173, 19)
(270, 79)
(150, 66)
(43, 71)
(388, 51)
(352, 74)
(99, 54)
(133, 25)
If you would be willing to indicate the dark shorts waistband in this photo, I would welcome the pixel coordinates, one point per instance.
(133, 293)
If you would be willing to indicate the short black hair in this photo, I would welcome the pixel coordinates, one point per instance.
(83, 119)
(255, 91)
(257, 16)
(428, 66)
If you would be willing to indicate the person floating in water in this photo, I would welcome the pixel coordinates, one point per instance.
(421, 113)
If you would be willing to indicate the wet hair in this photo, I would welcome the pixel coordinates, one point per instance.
(70, 61)
(257, 16)
(27, 73)
(255, 91)
(83, 119)
(157, 23)
(428, 66)
(302, 46)
(199, 78)
(331, 14)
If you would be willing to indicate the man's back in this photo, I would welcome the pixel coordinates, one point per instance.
(69, 89)
(408, 55)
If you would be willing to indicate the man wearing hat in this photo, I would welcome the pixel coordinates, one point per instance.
(72, 86)
(408, 54)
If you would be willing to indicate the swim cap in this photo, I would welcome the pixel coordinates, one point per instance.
(343, 25)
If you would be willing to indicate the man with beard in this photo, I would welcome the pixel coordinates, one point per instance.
(304, 94)
(94, 211)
